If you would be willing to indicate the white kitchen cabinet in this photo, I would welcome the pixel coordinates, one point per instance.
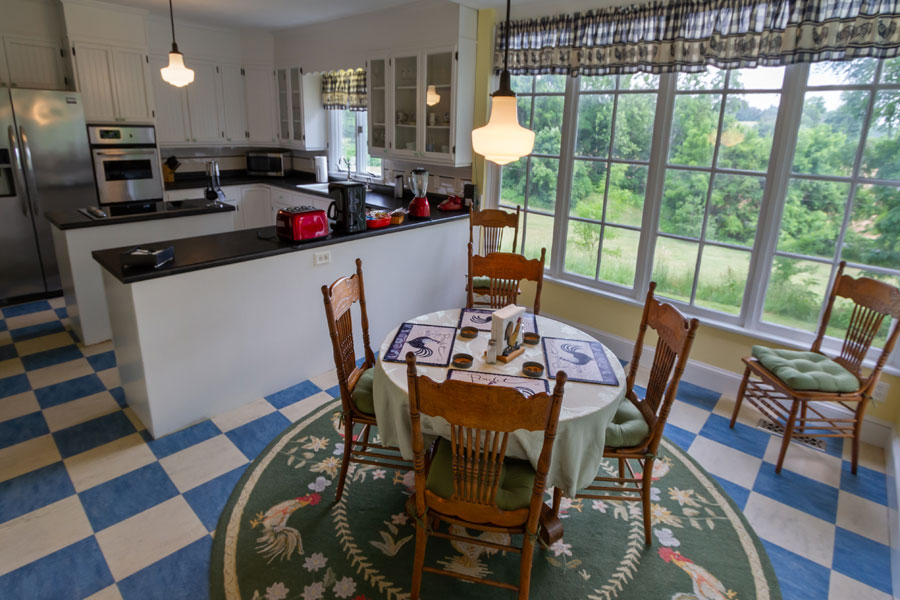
(259, 84)
(256, 206)
(132, 86)
(172, 125)
(301, 117)
(402, 125)
(204, 103)
(114, 83)
(34, 63)
(234, 103)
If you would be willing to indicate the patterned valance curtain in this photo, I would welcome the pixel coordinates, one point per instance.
(344, 90)
(688, 36)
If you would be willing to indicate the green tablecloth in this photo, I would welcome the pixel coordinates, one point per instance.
(587, 408)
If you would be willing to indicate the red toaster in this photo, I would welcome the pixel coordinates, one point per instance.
(300, 223)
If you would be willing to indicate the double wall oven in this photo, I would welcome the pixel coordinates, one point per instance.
(126, 163)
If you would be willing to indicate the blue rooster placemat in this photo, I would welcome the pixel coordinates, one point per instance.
(582, 360)
(432, 344)
(480, 319)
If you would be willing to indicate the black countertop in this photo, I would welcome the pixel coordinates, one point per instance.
(75, 219)
(204, 252)
(379, 196)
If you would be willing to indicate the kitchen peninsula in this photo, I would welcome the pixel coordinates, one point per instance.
(239, 315)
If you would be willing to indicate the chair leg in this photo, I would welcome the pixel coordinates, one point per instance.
(345, 462)
(646, 482)
(857, 430)
(419, 559)
(525, 566)
(740, 397)
(622, 469)
(788, 433)
(365, 437)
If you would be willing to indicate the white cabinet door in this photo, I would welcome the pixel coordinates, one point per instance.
(34, 63)
(133, 97)
(259, 84)
(256, 206)
(203, 103)
(95, 81)
(312, 200)
(171, 106)
(235, 108)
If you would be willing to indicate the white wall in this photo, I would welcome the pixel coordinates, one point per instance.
(243, 47)
(32, 18)
(347, 42)
(90, 21)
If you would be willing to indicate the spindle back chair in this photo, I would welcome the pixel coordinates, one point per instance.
(492, 223)
(503, 272)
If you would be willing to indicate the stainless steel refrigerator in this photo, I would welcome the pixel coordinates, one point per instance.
(45, 164)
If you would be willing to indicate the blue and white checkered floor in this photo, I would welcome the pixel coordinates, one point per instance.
(90, 506)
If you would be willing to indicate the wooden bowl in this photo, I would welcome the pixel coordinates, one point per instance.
(531, 338)
(464, 361)
(532, 369)
(468, 332)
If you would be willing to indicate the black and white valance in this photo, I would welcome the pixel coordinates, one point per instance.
(344, 90)
(687, 36)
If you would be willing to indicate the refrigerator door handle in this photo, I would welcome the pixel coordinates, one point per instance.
(29, 168)
(17, 169)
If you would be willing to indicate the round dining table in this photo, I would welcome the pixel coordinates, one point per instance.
(587, 408)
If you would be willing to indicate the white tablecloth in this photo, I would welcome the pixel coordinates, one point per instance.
(586, 411)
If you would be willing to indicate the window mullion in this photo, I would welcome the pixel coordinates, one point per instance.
(656, 173)
(564, 175)
(784, 142)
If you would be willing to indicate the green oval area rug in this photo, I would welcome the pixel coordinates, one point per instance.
(282, 537)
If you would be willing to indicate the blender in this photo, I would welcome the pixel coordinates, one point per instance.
(418, 183)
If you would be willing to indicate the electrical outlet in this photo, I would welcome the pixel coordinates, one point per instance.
(881, 391)
(322, 258)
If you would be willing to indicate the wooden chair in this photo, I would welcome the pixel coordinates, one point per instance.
(504, 272)
(788, 400)
(468, 480)
(637, 428)
(493, 222)
(355, 383)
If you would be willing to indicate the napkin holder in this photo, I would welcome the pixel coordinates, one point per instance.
(507, 329)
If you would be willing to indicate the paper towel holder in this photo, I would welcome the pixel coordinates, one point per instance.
(321, 169)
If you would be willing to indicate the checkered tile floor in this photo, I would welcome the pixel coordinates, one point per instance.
(90, 506)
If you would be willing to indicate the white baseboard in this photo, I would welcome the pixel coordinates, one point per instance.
(892, 454)
(875, 431)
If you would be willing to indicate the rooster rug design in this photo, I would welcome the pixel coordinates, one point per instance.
(281, 536)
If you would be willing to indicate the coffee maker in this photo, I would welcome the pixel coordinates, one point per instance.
(419, 208)
(348, 207)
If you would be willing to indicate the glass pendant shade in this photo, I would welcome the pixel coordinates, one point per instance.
(176, 73)
(503, 140)
(431, 96)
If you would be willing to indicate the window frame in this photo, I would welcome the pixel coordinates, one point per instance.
(334, 138)
(749, 321)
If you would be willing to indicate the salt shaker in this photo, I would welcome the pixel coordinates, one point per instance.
(491, 352)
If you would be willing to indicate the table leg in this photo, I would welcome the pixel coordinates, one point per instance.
(551, 530)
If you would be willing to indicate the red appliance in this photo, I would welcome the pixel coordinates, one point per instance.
(419, 208)
(300, 223)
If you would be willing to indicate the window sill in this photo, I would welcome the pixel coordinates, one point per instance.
(764, 337)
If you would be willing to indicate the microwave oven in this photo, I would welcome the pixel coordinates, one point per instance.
(269, 164)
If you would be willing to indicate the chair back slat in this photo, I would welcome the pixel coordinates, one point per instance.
(506, 271)
(339, 297)
(675, 336)
(493, 222)
(873, 301)
(481, 418)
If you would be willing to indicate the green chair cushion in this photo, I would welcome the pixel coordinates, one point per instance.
(628, 427)
(806, 371)
(513, 492)
(362, 393)
(481, 283)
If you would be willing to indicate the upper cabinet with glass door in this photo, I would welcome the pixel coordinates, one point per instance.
(301, 117)
(407, 116)
(378, 108)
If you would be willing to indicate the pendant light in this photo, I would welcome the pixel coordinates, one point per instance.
(503, 140)
(431, 96)
(176, 73)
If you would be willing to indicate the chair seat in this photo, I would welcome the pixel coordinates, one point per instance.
(513, 492)
(628, 427)
(362, 395)
(806, 371)
(481, 283)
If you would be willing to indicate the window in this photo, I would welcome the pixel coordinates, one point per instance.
(347, 140)
(843, 193)
(531, 181)
(738, 191)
